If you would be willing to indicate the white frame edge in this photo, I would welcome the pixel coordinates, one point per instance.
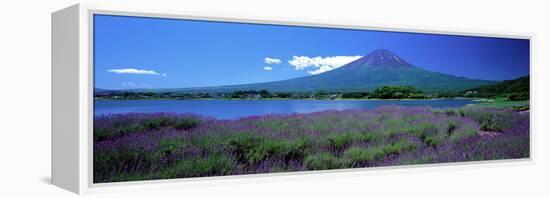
(65, 101)
(72, 101)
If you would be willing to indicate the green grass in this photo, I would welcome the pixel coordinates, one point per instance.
(324, 161)
(355, 156)
(394, 127)
(195, 167)
(253, 149)
(157, 123)
(504, 104)
(369, 137)
(122, 163)
(430, 134)
(491, 121)
(339, 140)
(121, 130)
(168, 146)
(186, 123)
(363, 155)
(463, 133)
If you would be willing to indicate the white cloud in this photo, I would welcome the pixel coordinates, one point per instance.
(135, 71)
(320, 64)
(272, 60)
(268, 68)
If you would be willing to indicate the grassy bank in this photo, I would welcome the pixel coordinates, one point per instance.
(502, 103)
(131, 147)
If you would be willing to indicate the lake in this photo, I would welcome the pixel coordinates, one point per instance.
(231, 109)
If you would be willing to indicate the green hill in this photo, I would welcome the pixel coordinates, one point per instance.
(517, 89)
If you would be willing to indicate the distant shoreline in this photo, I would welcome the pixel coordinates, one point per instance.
(345, 99)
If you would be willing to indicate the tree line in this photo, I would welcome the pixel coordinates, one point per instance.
(386, 92)
(513, 90)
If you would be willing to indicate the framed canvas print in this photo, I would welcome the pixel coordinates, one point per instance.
(152, 96)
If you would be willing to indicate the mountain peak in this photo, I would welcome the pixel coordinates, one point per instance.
(379, 68)
(382, 51)
(382, 58)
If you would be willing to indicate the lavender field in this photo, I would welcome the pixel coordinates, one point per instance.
(139, 146)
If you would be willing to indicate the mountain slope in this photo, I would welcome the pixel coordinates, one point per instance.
(379, 68)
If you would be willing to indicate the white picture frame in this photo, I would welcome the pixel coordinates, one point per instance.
(72, 98)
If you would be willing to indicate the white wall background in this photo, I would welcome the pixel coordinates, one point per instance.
(25, 98)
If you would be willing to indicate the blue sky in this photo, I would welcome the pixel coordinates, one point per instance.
(136, 52)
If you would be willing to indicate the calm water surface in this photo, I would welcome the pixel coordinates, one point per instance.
(230, 109)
